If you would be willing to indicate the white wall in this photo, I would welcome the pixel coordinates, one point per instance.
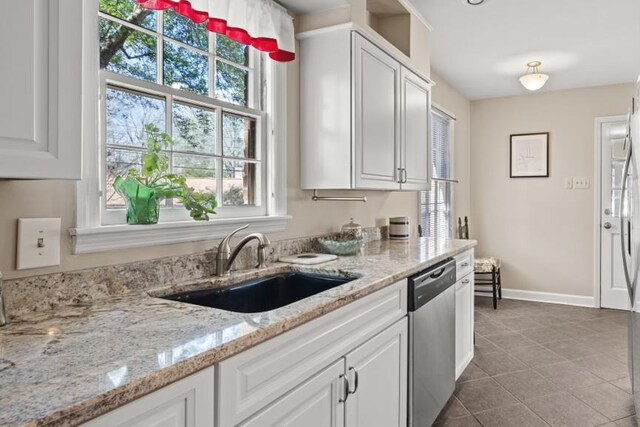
(543, 233)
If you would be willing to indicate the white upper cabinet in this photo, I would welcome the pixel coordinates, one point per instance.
(376, 92)
(41, 90)
(416, 116)
(364, 116)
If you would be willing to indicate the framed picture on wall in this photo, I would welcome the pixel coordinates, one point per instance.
(530, 155)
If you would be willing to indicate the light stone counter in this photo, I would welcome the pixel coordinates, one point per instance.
(65, 366)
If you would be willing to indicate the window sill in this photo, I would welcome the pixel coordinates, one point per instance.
(113, 237)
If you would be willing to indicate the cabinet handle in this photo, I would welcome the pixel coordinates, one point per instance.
(356, 380)
(466, 281)
(404, 176)
(346, 389)
(399, 178)
(464, 264)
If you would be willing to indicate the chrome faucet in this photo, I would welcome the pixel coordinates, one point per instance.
(225, 256)
(4, 319)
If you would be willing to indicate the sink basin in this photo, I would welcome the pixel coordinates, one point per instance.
(264, 294)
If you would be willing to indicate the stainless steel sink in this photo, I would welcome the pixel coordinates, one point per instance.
(262, 294)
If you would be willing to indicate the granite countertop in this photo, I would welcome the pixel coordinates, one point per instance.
(68, 365)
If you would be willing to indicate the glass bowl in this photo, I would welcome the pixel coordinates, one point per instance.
(341, 246)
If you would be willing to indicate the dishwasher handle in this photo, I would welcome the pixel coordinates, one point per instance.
(438, 273)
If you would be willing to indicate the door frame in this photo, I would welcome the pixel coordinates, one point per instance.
(597, 273)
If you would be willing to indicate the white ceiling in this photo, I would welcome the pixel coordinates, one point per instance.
(482, 50)
(301, 7)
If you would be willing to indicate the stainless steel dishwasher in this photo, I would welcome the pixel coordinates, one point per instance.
(432, 351)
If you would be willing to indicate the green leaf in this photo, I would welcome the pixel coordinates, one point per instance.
(168, 185)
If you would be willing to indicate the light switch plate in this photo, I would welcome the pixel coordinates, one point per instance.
(580, 182)
(38, 243)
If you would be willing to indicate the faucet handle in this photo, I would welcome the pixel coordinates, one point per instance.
(224, 245)
(237, 230)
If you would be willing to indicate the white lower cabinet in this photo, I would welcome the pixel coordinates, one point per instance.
(316, 403)
(377, 373)
(464, 320)
(186, 403)
(348, 367)
(366, 388)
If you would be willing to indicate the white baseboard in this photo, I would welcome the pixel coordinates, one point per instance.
(549, 297)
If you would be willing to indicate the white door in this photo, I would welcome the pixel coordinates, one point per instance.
(41, 90)
(376, 89)
(315, 403)
(377, 372)
(415, 125)
(464, 323)
(613, 288)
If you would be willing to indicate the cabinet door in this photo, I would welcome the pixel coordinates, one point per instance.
(186, 403)
(415, 131)
(376, 83)
(464, 323)
(377, 372)
(315, 403)
(41, 89)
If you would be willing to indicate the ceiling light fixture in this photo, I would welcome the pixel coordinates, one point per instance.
(534, 79)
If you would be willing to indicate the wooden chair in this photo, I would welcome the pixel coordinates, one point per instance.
(486, 269)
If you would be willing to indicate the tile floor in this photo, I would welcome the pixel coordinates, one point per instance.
(544, 365)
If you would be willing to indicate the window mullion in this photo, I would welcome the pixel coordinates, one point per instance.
(160, 48)
(220, 159)
(212, 64)
(169, 130)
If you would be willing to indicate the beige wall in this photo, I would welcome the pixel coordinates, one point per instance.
(543, 233)
(57, 199)
(445, 96)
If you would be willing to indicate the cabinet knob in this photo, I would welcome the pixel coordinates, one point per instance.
(466, 281)
(607, 225)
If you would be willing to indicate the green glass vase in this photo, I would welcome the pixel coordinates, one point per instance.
(143, 205)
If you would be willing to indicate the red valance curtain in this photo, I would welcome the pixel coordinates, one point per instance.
(262, 24)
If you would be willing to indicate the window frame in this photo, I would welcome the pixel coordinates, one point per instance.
(92, 234)
(437, 109)
(119, 82)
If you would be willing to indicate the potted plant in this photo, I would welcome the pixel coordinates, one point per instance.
(143, 191)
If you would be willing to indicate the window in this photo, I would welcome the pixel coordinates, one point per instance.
(436, 204)
(203, 89)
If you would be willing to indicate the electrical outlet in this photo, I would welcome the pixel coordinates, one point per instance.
(38, 243)
(568, 183)
(581, 182)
